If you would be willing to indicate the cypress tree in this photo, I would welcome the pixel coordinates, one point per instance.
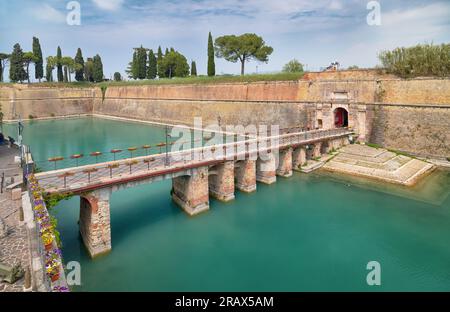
(79, 72)
(160, 55)
(16, 70)
(161, 73)
(151, 72)
(193, 69)
(211, 64)
(167, 52)
(59, 65)
(38, 60)
(134, 66)
(142, 63)
(97, 70)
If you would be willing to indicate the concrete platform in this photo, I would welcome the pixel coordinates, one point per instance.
(378, 163)
(313, 165)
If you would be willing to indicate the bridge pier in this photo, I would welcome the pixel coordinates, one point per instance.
(221, 181)
(298, 157)
(266, 169)
(317, 150)
(95, 227)
(326, 147)
(285, 163)
(339, 142)
(190, 192)
(245, 175)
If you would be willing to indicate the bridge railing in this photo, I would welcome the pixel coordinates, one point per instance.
(98, 173)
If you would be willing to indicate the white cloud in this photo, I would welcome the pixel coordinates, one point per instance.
(108, 5)
(335, 5)
(407, 27)
(48, 14)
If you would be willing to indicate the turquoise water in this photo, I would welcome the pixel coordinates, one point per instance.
(64, 138)
(312, 232)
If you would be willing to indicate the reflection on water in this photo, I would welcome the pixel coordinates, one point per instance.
(313, 232)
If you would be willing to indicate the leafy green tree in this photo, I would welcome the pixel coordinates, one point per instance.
(59, 68)
(420, 60)
(66, 74)
(70, 67)
(242, 48)
(293, 66)
(132, 69)
(174, 64)
(28, 58)
(117, 76)
(80, 68)
(193, 69)
(152, 65)
(89, 69)
(353, 67)
(51, 63)
(38, 60)
(16, 70)
(4, 59)
(97, 69)
(211, 63)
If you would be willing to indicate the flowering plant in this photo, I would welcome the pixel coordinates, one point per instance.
(52, 257)
(53, 264)
(60, 289)
(52, 254)
(47, 238)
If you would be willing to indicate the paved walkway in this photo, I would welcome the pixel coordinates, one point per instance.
(13, 247)
(378, 163)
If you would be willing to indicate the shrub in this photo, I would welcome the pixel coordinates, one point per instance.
(421, 60)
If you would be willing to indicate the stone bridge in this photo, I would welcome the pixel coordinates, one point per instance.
(196, 174)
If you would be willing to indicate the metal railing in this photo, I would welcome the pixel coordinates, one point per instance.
(78, 177)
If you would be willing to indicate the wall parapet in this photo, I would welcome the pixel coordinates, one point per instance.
(48, 269)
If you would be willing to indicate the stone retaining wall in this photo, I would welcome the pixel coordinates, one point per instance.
(409, 115)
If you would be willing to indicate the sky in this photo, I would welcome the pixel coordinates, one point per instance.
(315, 32)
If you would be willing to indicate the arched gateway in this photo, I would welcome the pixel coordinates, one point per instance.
(340, 117)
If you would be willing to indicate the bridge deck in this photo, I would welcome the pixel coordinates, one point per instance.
(90, 177)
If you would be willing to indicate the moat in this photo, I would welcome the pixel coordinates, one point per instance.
(304, 233)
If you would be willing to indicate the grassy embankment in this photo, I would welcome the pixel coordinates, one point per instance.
(187, 80)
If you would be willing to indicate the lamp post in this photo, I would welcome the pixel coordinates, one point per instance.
(131, 150)
(166, 163)
(54, 160)
(96, 154)
(76, 157)
(19, 136)
(146, 147)
(114, 152)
